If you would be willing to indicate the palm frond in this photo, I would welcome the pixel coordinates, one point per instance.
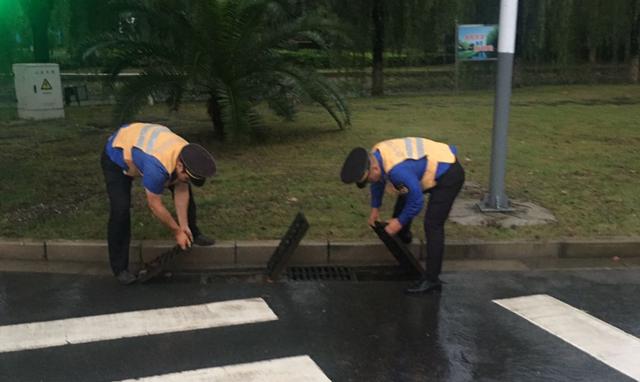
(320, 90)
(237, 111)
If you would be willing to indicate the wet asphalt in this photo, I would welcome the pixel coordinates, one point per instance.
(354, 331)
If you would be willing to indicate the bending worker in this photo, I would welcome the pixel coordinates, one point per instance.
(163, 160)
(411, 167)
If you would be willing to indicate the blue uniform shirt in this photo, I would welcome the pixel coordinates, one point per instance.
(154, 175)
(408, 174)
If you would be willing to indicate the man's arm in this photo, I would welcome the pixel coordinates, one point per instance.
(414, 203)
(377, 192)
(181, 202)
(154, 201)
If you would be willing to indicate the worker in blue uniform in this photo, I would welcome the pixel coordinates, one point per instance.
(163, 160)
(410, 168)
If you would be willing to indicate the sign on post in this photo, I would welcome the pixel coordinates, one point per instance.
(477, 42)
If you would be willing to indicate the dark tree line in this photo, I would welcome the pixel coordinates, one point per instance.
(550, 32)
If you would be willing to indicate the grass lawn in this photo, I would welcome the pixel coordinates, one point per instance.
(572, 149)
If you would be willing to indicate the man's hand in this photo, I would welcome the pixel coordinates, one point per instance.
(184, 238)
(187, 230)
(183, 234)
(393, 227)
(373, 218)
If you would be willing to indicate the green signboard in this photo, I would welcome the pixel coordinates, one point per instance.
(477, 42)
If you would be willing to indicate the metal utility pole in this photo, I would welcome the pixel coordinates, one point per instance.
(496, 200)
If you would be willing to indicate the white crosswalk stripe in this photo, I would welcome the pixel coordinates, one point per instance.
(79, 330)
(290, 369)
(597, 338)
(133, 324)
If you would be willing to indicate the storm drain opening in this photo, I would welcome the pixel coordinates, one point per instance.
(318, 273)
(321, 273)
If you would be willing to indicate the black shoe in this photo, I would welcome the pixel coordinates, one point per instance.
(126, 278)
(203, 240)
(425, 286)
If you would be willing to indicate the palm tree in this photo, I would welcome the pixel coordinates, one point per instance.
(230, 51)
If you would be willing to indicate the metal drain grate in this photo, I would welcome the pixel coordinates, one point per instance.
(320, 274)
(287, 247)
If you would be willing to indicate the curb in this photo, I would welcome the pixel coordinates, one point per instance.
(256, 254)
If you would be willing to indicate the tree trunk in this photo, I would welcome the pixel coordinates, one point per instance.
(377, 86)
(38, 12)
(78, 28)
(634, 69)
(215, 113)
(634, 42)
(6, 47)
(40, 41)
(592, 56)
(541, 33)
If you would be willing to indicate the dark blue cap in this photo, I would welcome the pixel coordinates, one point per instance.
(198, 163)
(356, 167)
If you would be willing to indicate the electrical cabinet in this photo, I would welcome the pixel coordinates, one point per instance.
(38, 91)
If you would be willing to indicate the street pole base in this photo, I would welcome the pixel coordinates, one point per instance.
(499, 206)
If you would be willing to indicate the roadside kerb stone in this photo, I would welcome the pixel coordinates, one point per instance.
(245, 254)
(87, 251)
(500, 249)
(255, 253)
(621, 247)
(22, 250)
(311, 253)
(369, 253)
(76, 250)
(220, 255)
(258, 253)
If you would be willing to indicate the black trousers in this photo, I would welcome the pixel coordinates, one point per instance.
(119, 226)
(441, 199)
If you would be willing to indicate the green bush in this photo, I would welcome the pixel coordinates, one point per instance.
(320, 59)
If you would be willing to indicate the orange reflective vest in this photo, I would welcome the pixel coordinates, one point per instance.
(155, 140)
(395, 151)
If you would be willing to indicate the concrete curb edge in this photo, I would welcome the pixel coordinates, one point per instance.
(252, 254)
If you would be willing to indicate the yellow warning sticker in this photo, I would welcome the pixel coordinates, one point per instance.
(45, 85)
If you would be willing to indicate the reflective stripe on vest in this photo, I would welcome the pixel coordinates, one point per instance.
(155, 140)
(396, 151)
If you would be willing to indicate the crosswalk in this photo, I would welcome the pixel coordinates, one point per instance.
(604, 342)
(290, 369)
(39, 335)
(133, 324)
(597, 338)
